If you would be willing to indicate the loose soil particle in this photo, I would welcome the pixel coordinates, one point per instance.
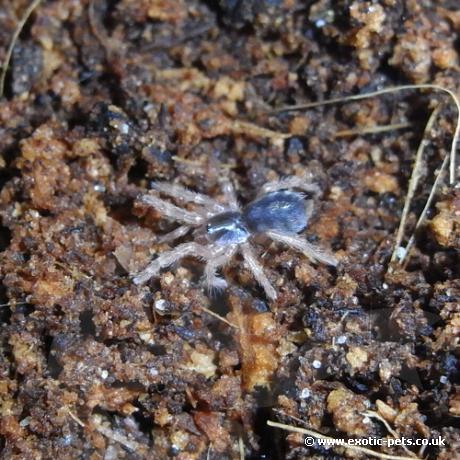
(104, 97)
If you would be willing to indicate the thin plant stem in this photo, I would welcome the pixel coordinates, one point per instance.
(425, 210)
(30, 9)
(413, 182)
(317, 435)
(392, 89)
(371, 130)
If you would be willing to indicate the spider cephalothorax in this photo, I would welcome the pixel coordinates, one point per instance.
(222, 229)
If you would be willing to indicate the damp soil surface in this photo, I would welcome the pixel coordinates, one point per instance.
(104, 97)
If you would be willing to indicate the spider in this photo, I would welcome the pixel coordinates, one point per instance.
(223, 229)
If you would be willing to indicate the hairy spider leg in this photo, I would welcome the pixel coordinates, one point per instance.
(170, 257)
(173, 212)
(303, 183)
(221, 257)
(257, 270)
(309, 206)
(174, 234)
(184, 194)
(311, 251)
(229, 193)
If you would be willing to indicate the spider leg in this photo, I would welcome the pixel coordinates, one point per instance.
(309, 206)
(229, 193)
(314, 253)
(174, 234)
(168, 258)
(303, 183)
(184, 194)
(214, 282)
(172, 211)
(257, 270)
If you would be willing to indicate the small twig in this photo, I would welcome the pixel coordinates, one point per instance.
(10, 304)
(422, 217)
(244, 127)
(221, 318)
(345, 445)
(75, 418)
(371, 130)
(392, 89)
(377, 416)
(30, 9)
(372, 414)
(413, 182)
(241, 447)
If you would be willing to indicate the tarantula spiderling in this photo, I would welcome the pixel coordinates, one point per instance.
(222, 229)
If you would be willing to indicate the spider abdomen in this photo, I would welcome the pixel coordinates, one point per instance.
(283, 211)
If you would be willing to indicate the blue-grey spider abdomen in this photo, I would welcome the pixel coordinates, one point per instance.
(227, 228)
(283, 211)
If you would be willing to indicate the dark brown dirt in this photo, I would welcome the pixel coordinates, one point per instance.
(102, 98)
